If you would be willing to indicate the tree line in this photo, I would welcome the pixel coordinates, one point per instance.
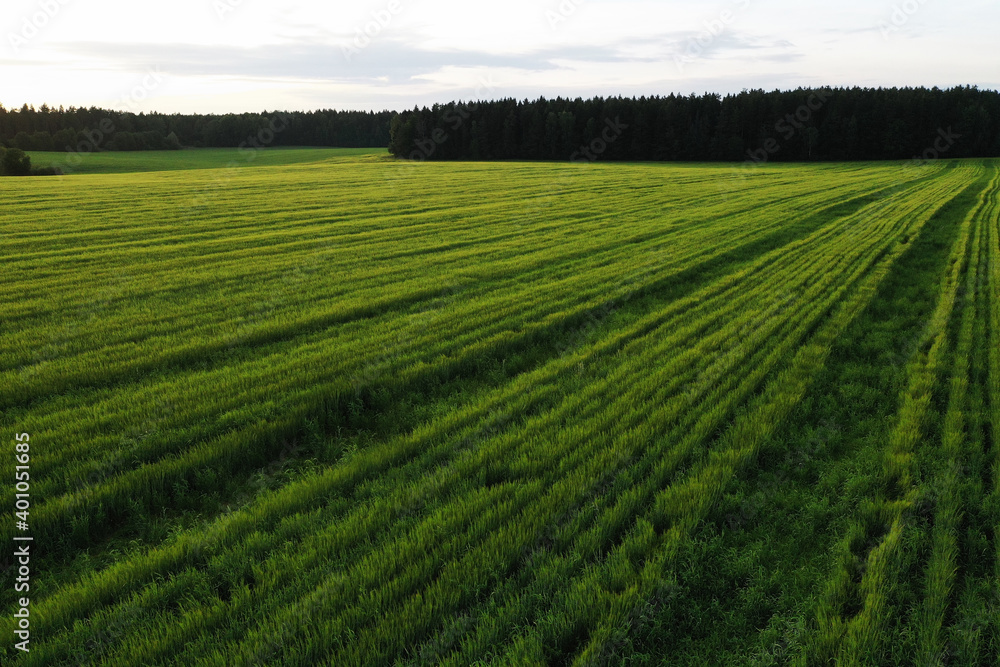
(752, 126)
(94, 129)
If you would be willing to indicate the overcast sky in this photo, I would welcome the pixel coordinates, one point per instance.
(255, 55)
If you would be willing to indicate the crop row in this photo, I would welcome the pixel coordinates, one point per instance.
(854, 615)
(240, 403)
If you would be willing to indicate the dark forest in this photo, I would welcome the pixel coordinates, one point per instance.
(758, 126)
(802, 125)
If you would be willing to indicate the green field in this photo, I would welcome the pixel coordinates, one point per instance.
(204, 158)
(332, 408)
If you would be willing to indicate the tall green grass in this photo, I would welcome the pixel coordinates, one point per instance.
(339, 409)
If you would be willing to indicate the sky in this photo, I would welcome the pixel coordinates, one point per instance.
(219, 56)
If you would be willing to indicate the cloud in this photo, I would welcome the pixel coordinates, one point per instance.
(293, 53)
(383, 58)
(387, 61)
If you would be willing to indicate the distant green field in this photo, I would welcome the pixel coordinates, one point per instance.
(330, 408)
(201, 158)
